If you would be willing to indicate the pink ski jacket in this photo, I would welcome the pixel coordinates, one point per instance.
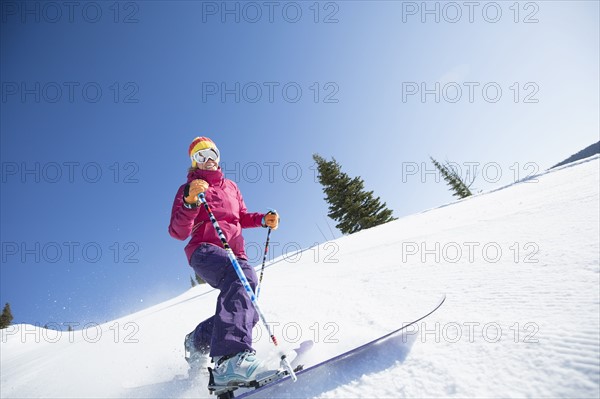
(226, 202)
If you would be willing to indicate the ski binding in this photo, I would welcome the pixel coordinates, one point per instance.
(264, 378)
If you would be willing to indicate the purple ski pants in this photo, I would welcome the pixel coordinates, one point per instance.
(229, 331)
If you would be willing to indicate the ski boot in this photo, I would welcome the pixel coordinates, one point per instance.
(237, 369)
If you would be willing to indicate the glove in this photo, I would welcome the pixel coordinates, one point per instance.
(271, 219)
(191, 191)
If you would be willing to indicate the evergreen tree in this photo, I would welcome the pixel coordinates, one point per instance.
(192, 281)
(349, 204)
(6, 317)
(457, 185)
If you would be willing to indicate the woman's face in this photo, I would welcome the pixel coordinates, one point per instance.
(209, 165)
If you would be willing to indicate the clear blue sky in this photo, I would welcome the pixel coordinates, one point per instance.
(100, 101)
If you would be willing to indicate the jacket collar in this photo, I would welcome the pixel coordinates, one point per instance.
(212, 177)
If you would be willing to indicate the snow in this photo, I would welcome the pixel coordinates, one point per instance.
(520, 267)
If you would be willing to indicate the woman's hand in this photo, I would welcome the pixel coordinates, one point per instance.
(272, 220)
(195, 187)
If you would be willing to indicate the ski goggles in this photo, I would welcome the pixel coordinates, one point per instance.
(204, 155)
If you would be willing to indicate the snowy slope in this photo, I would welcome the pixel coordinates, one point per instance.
(520, 267)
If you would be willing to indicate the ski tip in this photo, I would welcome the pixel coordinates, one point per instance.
(442, 299)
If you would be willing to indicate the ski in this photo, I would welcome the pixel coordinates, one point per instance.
(268, 390)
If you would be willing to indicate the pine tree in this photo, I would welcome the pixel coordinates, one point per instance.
(457, 185)
(199, 280)
(6, 317)
(349, 204)
(192, 281)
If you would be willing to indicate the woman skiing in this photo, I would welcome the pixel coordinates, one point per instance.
(226, 336)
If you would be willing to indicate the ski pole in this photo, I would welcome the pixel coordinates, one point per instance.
(238, 269)
(262, 269)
